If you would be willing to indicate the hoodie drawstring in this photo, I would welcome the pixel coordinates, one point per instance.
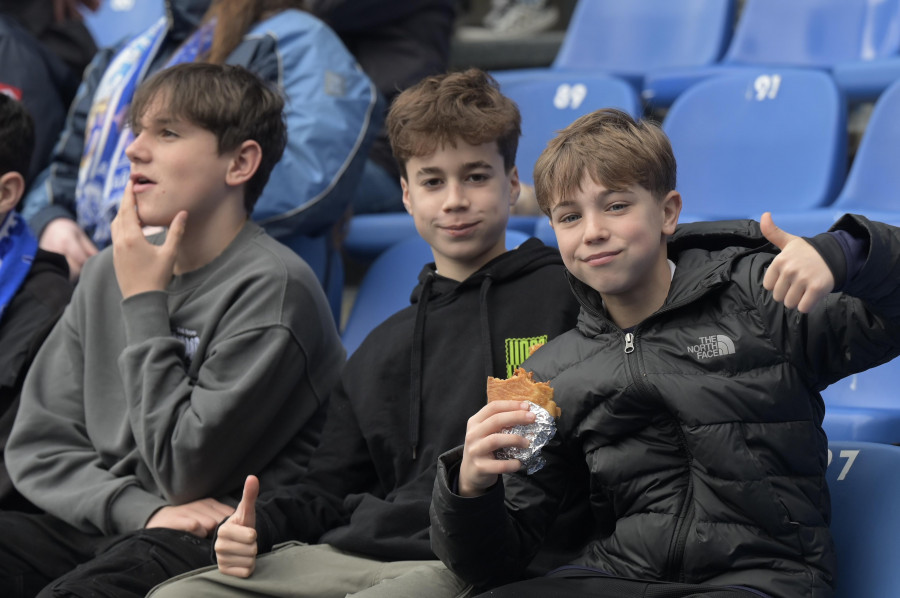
(415, 369)
(486, 353)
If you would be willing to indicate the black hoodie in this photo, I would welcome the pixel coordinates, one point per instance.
(405, 397)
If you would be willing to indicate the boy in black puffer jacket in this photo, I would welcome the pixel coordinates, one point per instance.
(690, 388)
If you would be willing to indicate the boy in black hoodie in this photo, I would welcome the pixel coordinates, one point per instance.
(360, 521)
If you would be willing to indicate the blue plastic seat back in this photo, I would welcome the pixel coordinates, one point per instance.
(552, 101)
(874, 178)
(865, 518)
(744, 143)
(865, 406)
(640, 35)
(389, 282)
(814, 33)
(118, 19)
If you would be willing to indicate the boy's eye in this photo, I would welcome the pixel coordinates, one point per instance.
(478, 177)
(431, 182)
(567, 218)
(169, 133)
(616, 207)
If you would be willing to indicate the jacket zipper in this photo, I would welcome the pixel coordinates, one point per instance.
(675, 565)
(674, 562)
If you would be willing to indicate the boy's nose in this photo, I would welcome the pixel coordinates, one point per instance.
(135, 150)
(595, 228)
(455, 198)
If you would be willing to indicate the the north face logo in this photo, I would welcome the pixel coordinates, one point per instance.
(714, 345)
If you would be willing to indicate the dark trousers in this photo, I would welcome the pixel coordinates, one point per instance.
(43, 556)
(584, 583)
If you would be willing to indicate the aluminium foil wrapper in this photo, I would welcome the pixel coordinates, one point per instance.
(538, 433)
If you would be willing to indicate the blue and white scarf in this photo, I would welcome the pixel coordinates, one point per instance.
(17, 249)
(105, 169)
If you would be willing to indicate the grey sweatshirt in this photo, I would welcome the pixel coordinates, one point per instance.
(172, 396)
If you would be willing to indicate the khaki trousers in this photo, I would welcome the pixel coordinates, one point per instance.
(297, 570)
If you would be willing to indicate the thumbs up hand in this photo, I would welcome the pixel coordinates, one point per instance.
(236, 542)
(798, 276)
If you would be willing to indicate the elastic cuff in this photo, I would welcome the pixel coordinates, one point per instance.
(831, 251)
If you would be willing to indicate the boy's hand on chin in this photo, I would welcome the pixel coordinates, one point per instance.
(798, 276)
(141, 266)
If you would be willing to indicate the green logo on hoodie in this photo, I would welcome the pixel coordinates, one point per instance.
(518, 350)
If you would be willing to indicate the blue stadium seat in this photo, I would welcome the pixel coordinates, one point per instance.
(630, 39)
(864, 81)
(544, 232)
(748, 144)
(800, 33)
(388, 284)
(873, 181)
(325, 261)
(865, 518)
(118, 19)
(865, 406)
(551, 102)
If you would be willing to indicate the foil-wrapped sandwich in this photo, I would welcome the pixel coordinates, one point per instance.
(522, 387)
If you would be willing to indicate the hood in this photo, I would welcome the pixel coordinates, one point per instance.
(528, 257)
(434, 289)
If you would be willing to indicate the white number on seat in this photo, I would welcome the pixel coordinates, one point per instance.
(569, 96)
(850, 456)
(766, 87)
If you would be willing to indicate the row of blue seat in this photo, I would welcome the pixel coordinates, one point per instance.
(664, 47)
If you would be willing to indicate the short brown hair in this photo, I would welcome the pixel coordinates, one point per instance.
(230, 102)
(614, 149)
(442, 109)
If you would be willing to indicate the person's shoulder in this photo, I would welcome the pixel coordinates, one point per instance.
(290, 21)
(270, 258)
(48, 280)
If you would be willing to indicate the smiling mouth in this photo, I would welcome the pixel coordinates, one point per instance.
(599, 259)
(459, 229)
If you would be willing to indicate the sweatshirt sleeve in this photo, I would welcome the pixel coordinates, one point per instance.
(341, 466)
(50, 455)
(245, 385)
(194, 436)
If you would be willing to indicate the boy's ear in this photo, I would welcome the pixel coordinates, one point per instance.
(515, 187)
(404, 184)
(244, 163)
(12, 187)
(671, 207)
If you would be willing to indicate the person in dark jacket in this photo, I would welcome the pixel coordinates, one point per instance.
(690, 388)
(44, 48)
(34, 284)
(360, 518)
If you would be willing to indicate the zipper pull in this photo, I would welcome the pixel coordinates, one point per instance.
(629, 342)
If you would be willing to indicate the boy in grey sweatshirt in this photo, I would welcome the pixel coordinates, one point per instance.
(184, 362)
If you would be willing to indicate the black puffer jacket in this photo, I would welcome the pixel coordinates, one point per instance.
(702, 429)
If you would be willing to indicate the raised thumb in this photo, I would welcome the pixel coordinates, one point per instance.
(775, 235)
(245, 514)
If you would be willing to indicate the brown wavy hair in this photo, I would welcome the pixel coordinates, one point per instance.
(442, 109)
(613, 149)
(235, 17)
